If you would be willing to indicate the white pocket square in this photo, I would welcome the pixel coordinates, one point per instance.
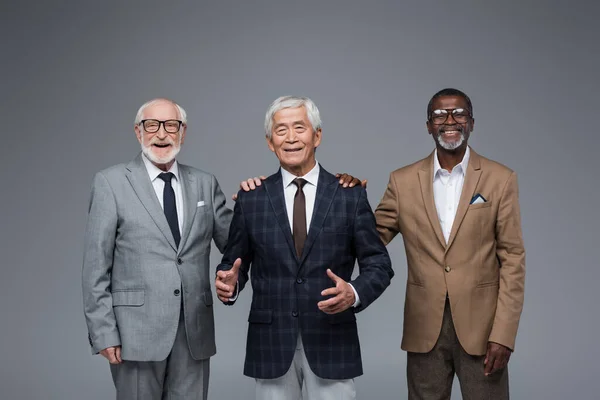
(200, 204)
(478, 199)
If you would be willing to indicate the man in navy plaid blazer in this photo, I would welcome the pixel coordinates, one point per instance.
(301, 234)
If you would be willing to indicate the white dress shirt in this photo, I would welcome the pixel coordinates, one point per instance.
(159, 186)
(310, 194)
(447, 188)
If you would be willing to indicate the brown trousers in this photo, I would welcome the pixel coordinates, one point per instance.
(430, 375)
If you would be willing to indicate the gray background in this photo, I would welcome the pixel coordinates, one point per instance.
(74, 74)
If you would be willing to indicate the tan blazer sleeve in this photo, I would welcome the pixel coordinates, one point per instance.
(511, 255)
(386, 213)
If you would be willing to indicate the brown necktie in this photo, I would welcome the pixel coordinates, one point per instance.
(299, 219)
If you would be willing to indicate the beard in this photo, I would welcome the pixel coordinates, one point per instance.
(167, 158)
(439, 137)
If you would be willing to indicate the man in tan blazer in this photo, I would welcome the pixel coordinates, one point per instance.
(458, 214)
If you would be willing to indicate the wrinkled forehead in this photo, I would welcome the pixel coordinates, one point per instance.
(290, 115)
(448, 102)
(161, 110)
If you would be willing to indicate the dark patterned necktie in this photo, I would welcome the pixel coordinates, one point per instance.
(299, 218)
(169, 206)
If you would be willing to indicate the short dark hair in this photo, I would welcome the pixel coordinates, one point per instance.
(449, 92)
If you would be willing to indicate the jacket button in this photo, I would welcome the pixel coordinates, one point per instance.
(179, 261)
(294, 313)
(447, 268)
(299, 280)
(176, 292)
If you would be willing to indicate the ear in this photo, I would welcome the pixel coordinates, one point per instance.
(138, 133)
(318, 135)
(428, 126)
(183, 131)
(270, 143)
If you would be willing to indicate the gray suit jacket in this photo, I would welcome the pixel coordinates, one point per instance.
(134, 277)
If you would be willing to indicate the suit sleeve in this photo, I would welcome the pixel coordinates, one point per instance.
(386, 213)
(511, 255)
(238, 246)
(100, 235)
(222, 216)
(375, 266)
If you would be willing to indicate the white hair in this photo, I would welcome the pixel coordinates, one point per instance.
(140, 114)
(293, 102)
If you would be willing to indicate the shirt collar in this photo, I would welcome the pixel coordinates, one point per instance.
(311, 177)
(154, 171)
(462, 167)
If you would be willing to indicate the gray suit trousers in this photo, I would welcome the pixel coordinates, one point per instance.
(178, 377)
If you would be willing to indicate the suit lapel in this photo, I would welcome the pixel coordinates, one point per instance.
(471, 179)
(426, 180)
(274, 189)
(140, 181)
(326, 188)
(189, 189)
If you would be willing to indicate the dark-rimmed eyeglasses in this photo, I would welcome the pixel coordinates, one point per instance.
(460, 115)
(153, 125)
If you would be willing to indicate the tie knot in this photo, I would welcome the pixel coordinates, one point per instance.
(300, 182)
(166, 176)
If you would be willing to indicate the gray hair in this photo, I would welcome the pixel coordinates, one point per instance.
(293, 102)
(140, 114)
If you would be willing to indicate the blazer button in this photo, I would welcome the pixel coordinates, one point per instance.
(299, 281)
(179, 261)
(176, 292)
(294, 313)
(447, 268)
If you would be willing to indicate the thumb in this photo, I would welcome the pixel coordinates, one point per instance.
(236, 265)
(333, 276)
(364, 183)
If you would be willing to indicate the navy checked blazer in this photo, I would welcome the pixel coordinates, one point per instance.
(286, 289)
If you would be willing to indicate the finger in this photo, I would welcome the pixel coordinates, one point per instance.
(348, 179)
(257, 182)
(341, 177)
(338, 175)
(262, 177)
(234, 197)
(111, 356)
(332, 302)
(222, 275)
(118, 355)
(489, 365)
(222, 288)
(251, 183)
(334, 291)
(354, 182)
(498, 364)
(244, 186)
(224, 299)
(364, 184)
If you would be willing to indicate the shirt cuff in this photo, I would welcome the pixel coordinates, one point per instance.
(357, 299)
(237, 292)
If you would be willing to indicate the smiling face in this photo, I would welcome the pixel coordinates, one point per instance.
(161, 147)
(293, 140)
(451, 135)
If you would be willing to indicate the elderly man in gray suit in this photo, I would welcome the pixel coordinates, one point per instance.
(146, 281)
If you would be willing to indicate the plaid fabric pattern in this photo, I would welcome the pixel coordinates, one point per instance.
(286, 288)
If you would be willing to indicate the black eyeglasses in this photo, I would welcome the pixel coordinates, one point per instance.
(153, 125)
(460, 115)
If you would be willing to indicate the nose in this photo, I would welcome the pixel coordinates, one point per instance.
(291, 136)
(161, 133)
